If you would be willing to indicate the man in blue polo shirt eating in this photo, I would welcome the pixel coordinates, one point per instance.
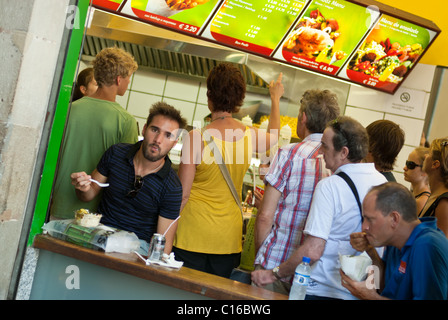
(415, 262)
(144, 193)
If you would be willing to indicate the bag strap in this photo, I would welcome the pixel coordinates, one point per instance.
(431, 210)
(350, 183)
(222, 166)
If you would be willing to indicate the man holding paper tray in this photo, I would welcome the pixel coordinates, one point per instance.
(415, 262)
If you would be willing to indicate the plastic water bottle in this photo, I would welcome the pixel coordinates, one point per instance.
(301, 280)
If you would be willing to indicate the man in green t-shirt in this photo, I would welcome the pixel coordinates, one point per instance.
(94, 124)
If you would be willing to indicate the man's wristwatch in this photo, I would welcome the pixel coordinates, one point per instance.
(275, 272)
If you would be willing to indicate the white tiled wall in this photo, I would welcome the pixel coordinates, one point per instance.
(367, 106)
(189, 96)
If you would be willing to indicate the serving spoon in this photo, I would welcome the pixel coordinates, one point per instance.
(99, 183)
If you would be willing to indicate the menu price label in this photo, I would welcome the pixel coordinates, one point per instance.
(326, 34)
(188, 16)
(387, 54)
(255, 26)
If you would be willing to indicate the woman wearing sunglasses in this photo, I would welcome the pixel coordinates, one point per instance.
(413, 173)
(436, 167)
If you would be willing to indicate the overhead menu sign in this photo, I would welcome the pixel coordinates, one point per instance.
(353, 40)
(187, 16)
(254, 26)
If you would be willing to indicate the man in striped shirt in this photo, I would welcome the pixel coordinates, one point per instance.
(144, 193)
(290, 183)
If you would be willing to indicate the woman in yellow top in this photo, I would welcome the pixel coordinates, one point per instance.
(209, 231)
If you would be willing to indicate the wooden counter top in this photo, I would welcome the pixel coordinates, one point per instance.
(184, 278)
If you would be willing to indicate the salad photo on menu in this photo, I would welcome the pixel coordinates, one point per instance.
(388, 53)
(386, 61)
(324, 36)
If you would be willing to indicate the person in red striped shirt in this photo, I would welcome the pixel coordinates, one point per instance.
(290, 183)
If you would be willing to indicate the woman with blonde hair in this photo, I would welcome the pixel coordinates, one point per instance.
(413, 173)
(436, 166)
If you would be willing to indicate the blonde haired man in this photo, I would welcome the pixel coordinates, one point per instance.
(95, 123)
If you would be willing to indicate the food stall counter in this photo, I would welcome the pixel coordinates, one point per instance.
(68, 271)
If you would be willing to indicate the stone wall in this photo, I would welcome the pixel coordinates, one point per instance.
(30, 42)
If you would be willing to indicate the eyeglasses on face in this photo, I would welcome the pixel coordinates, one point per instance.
(138, 184)
(411, 165)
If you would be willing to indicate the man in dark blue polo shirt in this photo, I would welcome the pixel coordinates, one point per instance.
(415, 262)
(144, 193)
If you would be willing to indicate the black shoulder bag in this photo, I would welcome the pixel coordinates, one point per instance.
(350, 183)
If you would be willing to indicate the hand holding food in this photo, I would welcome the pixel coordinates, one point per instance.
(359, 241)
(359, 288)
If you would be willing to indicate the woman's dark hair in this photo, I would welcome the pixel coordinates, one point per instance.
(386, 139)
(226, 88)
(84, 77)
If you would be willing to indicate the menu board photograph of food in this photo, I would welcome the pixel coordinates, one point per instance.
(254, 26)
(113, 5)
(325, 35)
(388, 54)
(181, 15)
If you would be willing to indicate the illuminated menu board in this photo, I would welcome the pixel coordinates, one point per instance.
(325, 35)
(388, 54)
(255, 26)
(187, 16)
(351, 40)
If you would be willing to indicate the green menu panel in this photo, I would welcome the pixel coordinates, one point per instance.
(326, 34)
(255, 26)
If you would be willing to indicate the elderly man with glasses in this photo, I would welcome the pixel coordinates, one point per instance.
(144, 193)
